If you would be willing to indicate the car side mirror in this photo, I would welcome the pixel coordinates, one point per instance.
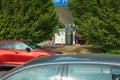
(28, 49)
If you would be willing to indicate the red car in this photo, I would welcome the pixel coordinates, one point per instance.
(16, 52)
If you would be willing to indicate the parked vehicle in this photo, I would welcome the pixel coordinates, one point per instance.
(68, 67)
(16, 52)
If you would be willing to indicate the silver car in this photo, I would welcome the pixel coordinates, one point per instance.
(68, 67)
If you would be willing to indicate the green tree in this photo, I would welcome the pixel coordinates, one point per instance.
(99, 22)
(34, 20)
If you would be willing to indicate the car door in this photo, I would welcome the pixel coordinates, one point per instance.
(6, 54)
(41, 72)
(22, 55)
(91, 72)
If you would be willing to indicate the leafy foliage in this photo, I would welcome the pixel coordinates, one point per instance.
(33, 20)
(99, 22)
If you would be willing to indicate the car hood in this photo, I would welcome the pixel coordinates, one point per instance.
(52, 51)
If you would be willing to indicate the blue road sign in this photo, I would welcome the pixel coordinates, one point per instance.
(60, 2)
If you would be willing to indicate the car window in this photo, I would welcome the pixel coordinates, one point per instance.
(20, 46)
(2, 45)
(9, 45)
(88, 72)
(116, 73)
(33, 46)
(36, 73)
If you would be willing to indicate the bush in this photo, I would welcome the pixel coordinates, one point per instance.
(114, 51)
(34, 20)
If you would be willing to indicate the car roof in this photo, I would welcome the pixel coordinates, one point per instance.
(104, 59)
(4, 41)
(111, 59)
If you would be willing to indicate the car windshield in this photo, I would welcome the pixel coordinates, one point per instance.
(33, 46)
